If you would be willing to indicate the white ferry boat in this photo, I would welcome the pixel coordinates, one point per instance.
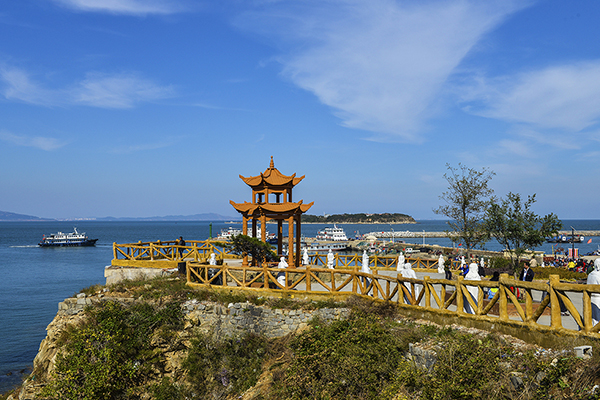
(226, 234)
(335, 234)
(67, 239)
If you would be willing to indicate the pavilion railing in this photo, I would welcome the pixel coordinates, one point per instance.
(437, 295)
(194, 250)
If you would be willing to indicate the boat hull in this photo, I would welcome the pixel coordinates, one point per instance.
(80, 243)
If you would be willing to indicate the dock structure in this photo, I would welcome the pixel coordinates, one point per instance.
(441, 234)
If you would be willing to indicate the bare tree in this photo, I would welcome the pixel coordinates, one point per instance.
(468, 197)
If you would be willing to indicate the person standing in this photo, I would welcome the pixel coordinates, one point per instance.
(180, 243)
(594, 279)
(527, 273)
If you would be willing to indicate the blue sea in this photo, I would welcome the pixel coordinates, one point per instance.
(34, 280)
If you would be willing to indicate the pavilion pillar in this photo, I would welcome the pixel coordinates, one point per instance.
(279, 237)
(263, 228)
(298, 240)
(291, 240)
(245, 232)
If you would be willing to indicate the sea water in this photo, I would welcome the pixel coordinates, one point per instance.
(34, 280)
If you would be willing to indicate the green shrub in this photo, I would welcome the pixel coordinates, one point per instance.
(545, 272)
(226, 366)
(499, 263)
(109, 355)
(467, 367)
(354, 358)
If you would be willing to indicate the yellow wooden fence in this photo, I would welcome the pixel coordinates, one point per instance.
(437, 295)
(194, 250)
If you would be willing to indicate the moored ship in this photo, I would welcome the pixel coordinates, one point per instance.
(61, 239)
(335, 234)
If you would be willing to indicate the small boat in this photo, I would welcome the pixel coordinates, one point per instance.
(67, 239)
(335, 234)
(566, 239)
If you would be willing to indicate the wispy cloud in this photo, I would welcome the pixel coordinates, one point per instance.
(565, 97)
(39, 142)
(147, 146)
(123, 90)
(128, 7)
(117, 91)
(380, 64)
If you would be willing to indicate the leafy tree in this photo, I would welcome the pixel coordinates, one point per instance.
(259, 250)
(516, 227)
(467, 198)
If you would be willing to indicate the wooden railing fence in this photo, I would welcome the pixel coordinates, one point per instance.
(440, 295)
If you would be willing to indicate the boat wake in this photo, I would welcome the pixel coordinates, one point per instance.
(28, 245)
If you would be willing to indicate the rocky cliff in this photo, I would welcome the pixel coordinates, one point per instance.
(199, 317)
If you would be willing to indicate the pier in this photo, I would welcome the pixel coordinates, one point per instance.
(417, 234)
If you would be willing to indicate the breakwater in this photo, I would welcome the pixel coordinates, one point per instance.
(441, 234)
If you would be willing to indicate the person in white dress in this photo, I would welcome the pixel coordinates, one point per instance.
(281, 275)
(594, 279)
(472, 275)
(401, 261)
(305, 258)
(365, 268)
(408, 272)
(330, 258)
(441, 268)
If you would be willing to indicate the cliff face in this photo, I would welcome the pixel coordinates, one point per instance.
(204, 317)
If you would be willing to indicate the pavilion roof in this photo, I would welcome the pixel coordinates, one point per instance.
(271, 177)
(271, 208)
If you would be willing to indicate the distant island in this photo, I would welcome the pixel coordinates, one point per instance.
(8, 216)
(385, 218)
(14, 217)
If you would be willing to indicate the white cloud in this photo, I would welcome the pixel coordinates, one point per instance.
(129, 7)
(18, 86)
(565, 97)
(39, 142)
(380, 64)
(96, 90)
(117, 91)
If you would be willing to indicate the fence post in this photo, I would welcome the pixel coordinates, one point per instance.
(426, 287)
(587, 311)
(555, 317)
(459, 295)
(265, 277)
(503, 300)
(308, 282)
(151, 252)
(188, 274)
(375, 291)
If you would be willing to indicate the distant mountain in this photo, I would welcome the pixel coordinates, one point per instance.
(8, 216)
(195, 217)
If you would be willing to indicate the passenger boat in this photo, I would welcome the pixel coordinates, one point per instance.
(566, 239)
(335, 234)
(226, 234)
(67, 239)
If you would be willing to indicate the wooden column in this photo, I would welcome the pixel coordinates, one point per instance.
(298, 240)
(245, 232)
(279, 236)
(263, 228)
(291, 240)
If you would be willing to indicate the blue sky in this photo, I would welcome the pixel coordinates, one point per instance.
(143, 108)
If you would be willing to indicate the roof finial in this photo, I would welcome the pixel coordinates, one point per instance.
(272, 165)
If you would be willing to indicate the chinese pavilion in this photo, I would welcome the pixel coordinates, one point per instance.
(272, 200)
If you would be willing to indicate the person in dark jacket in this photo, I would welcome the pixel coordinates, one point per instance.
(527, 273)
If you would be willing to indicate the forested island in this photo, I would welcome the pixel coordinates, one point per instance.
(385, 218)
